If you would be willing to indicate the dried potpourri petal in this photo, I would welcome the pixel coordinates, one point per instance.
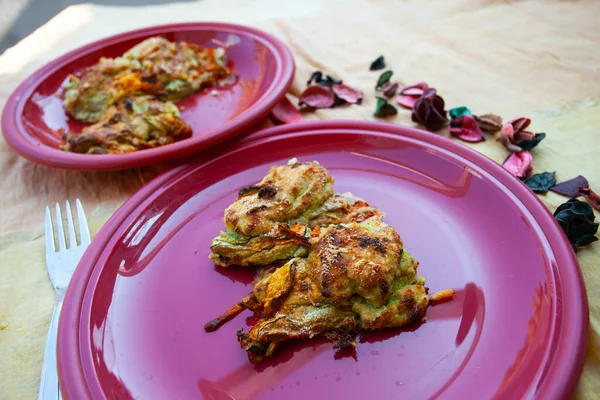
(489, 122)
(571, 187)
(320, 79)
(459, 112)
(286, 112)
(576, 219)
(315, 77)
(389, 89)
(515, 131)
(429, 111)
(384, 109)
(519, 164)
(514, 136)
(409, 95)
(465, 128)
(317, 96)
(347, 93)
(590, 196)
(377, 64)
(383, 79)
(540, 183)
(530, 144)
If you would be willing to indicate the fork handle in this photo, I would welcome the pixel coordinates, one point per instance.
(49, 382)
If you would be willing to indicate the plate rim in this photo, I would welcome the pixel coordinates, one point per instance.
(560, 375)
(46, 155)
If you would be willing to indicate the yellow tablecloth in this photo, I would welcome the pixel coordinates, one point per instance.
(537, 58)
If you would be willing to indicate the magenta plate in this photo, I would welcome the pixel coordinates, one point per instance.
(33, 114)
(131, 325)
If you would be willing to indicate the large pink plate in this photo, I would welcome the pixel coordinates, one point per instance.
(34, 115)
(131, 325)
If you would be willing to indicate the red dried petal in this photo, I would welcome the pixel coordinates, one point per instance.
(415, 90)
(521, 123)
(515, 131)
(410, 94)
(407, 101)
(347, 93)
(317, 96)
(591, 197)
(466, 128)
(571, 187)
(508, 131)
(286, 112)
(519, 164)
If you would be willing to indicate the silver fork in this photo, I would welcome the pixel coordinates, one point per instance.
(61, 263)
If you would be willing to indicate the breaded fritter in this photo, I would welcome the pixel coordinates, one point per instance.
(137, 123)
(357, 277)
(166, 70)
(268, 222)
(257, 230)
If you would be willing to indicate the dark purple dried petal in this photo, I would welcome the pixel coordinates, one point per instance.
(389, 89)
(571, 187)
(466, 128)
(347, 93)
(317, 96)
(286, 112)
(590, 196)
(429, 111)
(519, 164)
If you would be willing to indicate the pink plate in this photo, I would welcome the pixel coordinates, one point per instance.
(132, 322)
(34, 114)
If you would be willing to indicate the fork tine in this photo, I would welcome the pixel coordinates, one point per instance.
(50, 245)
(84, 231)
(71, 226)
(59, 229)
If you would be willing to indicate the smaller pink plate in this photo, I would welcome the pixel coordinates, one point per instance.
(34, 114)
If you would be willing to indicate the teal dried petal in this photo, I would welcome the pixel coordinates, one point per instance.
(576, 220)
(383, 78)
(459, 112)
(578, 207)
(584, 241)
(319, 78)
(530, 144)
(378, 64)
(384, 109)
(540, 183)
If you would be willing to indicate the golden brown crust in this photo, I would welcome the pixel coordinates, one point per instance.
(286, 193)
(136, 124)
(166, 70)
(352, 272)
(357, 277)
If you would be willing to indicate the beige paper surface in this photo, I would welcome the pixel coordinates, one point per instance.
(537, 58)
